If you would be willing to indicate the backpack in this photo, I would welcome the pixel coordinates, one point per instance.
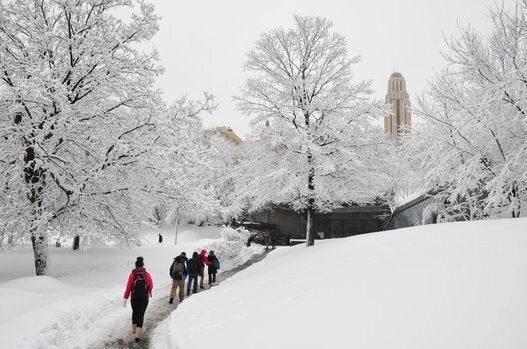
(193, 265)
(176, 270)
(140, 288)
(216, 263)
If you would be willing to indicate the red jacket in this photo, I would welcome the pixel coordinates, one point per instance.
(130, 283)
(203, 259)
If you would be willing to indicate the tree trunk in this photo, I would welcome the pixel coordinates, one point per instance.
(35, 179)
(177, 223)
(40, 253)
(310, 228)
(515, 202)
(76, 242)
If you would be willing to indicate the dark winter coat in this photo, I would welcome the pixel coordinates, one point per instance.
(193, 264)
(212, 266)
(178, 269)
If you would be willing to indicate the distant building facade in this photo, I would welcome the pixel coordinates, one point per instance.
(283, 223)
(400, 119)
(419, 211)
(228, 134)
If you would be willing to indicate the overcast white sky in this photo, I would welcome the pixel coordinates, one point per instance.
(202, 44)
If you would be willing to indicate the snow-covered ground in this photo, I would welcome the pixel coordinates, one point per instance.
(79, 303)
(455, 285)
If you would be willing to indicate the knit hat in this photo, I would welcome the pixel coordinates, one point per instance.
(203, 252)
(211, 252)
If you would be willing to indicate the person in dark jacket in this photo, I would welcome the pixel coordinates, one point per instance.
(213, 264)
(139, 286)
(193, 272)
(178, 273)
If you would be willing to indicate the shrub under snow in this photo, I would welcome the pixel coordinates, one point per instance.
(231, 248)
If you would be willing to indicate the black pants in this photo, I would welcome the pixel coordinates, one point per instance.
(212, 276)
(192, 282)
(138, 310)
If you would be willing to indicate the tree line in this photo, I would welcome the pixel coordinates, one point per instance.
(89, 148)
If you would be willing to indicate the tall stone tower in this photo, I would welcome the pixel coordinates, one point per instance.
(400, 119)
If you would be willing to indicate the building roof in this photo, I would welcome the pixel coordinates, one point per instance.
(396, 75)
(229, 134)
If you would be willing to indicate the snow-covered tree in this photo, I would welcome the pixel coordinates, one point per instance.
(392, 174)
(311, 121)
(225, 161)
(185, 158)
(77, 119)
(473, 145)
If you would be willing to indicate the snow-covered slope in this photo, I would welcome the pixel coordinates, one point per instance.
(79, 304)
(456, 285)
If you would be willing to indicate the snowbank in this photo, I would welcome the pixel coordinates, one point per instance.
(455, 285)
(79, 303)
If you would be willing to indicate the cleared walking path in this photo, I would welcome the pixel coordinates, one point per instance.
(158, 310)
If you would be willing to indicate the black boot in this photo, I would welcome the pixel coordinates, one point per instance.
(171, 300)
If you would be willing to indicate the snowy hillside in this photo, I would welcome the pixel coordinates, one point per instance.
(79, 304)
(457, 285)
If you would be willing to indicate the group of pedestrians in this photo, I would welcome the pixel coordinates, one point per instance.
(192, 268)
(139, 285)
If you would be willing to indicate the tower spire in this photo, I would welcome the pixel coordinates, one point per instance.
(400, 119)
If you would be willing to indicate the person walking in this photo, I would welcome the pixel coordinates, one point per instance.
(266, 240)
(178, 273)
(139, 286)
(213, 264)
(193, 272)
(202, 258)
(185, 266)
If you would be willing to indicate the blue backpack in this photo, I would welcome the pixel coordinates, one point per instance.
(216, 263)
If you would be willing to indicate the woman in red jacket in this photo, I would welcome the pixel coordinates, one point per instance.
(202, 257)
(140, 286)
